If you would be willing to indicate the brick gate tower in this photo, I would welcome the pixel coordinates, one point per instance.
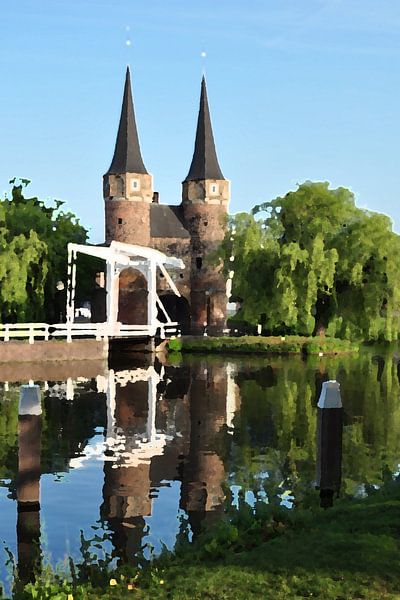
(191, 231)
(205, 197)
(127, 186)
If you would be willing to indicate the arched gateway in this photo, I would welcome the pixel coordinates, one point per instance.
(133, 306)
(112, 322)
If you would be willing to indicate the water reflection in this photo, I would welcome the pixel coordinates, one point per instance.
(147, 447)
(132, 443)
(163, 425)
(203, 471)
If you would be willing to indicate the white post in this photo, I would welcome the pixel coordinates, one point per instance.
(101, 384)
(70, 389)
(151, 399)
(232, 395)
(109, 276)
(111, 393)
(112, 297)
(69, 272)
(152, 293)
(73, 286)
(71, 292)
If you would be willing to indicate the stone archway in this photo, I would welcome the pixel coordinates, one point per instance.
(178, 309)
(133, 292)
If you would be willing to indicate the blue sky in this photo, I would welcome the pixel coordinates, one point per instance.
(298, 89)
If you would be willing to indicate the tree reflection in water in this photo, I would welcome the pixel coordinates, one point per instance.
(202, 429)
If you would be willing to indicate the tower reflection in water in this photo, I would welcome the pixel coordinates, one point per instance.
(164, 424)
(203, 471)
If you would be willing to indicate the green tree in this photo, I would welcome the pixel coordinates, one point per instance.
(33, 254)
(312, 262)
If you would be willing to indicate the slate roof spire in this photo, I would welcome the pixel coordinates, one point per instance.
(127, 156)
(204, 162)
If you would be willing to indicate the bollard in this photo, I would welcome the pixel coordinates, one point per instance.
(329, 442)
(28, 481)
(29, 446)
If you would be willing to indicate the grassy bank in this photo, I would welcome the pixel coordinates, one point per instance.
(290, 344)
(349, 551)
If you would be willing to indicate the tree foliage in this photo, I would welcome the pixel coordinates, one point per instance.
(33, 254)
(313, 262)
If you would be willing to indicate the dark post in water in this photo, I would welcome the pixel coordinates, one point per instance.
(28, 481)
(329, 442)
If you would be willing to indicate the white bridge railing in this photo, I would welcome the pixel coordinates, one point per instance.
(25, 330)
(45, 331)
(118, 256)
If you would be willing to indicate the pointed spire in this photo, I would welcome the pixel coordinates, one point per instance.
(204, 162)
(127, 156)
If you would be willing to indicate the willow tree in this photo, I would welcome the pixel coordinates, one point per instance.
(33, 254)
(312, 262)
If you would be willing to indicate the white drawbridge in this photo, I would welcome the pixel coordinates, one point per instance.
(118, 256)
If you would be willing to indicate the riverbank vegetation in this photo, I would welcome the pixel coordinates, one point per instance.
(291, 344)
(312, 262)
(268, 551)
(33, 255)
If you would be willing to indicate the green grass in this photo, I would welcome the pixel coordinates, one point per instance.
(349, 551)
(290, 344)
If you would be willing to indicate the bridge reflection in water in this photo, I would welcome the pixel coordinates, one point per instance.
(142, 454)
(162, 424)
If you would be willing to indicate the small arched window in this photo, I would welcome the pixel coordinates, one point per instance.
(135, 185)
(214, 189)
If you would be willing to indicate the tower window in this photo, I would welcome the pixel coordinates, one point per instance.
(120, 186)
(199, 262)
(119, 221)
(135, 185)
(213, 188)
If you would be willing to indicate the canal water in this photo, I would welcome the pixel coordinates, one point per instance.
(133, 457)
